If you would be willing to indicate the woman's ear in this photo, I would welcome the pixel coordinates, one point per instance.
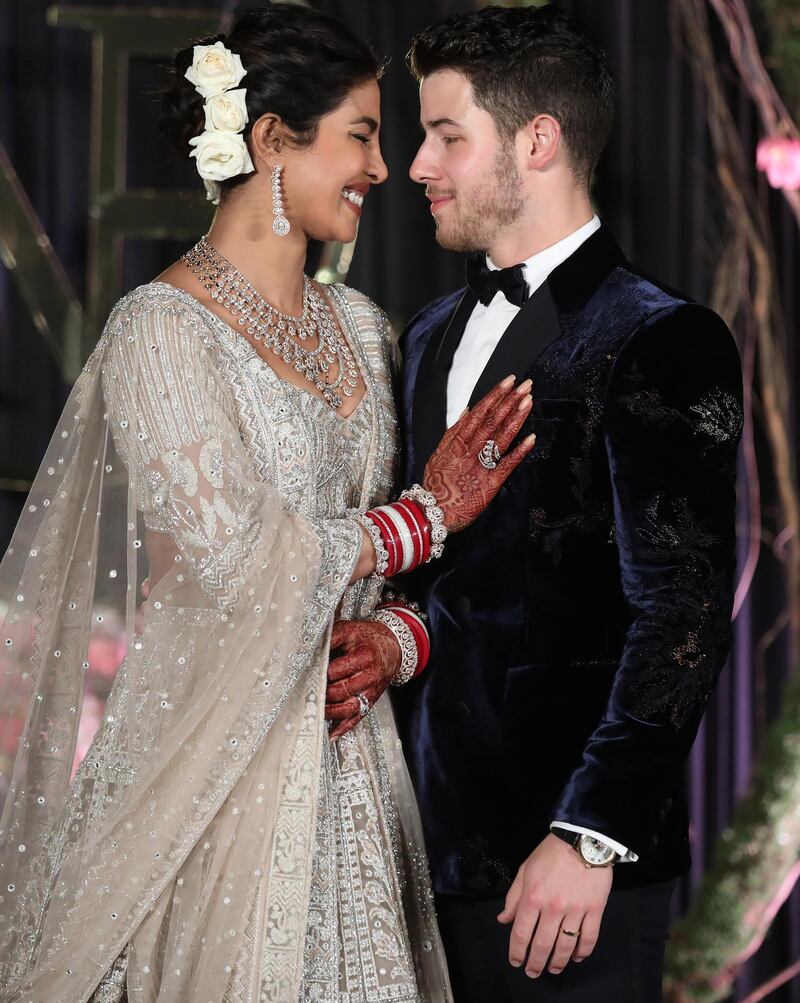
(266, 138)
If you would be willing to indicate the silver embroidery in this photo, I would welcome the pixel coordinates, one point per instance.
(356, 943)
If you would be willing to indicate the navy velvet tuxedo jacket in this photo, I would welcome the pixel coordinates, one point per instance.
(579, 625)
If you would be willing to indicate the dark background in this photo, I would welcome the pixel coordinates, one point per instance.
(656, 190)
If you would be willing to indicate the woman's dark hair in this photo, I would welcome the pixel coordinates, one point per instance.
(300, 65)
(523, 62)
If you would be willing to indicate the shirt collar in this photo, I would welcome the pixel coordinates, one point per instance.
(537, 268)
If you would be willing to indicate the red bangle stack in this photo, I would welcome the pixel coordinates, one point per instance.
(405, 533)
(413, 620)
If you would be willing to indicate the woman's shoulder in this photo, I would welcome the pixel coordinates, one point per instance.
(152, 297)
(163, 306)
(157, 318)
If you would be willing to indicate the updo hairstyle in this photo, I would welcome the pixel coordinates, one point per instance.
(300, 64)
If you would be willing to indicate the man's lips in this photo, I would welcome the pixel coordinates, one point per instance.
(437, 201)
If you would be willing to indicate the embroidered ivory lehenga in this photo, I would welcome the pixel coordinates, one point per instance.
(213, 846)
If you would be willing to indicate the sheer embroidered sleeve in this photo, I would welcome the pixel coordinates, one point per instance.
(174, 425)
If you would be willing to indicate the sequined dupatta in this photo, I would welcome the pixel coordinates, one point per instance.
(187, 832)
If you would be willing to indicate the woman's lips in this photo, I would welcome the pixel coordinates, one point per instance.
(351, 205)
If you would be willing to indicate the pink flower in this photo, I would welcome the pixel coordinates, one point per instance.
(91, 719)
(779, 157)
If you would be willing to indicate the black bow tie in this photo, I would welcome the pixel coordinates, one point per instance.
(485, 282)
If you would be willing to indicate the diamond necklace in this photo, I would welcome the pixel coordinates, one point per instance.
(281, 332)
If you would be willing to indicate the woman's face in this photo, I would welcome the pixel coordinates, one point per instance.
(326, 184)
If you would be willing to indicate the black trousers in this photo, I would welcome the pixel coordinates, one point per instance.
(625, 966)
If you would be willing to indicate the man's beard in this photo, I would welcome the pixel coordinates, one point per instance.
(493, 204)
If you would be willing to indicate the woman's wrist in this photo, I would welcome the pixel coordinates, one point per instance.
(405, 620)
(405, 533)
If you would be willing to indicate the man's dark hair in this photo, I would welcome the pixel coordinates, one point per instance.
(523, 62)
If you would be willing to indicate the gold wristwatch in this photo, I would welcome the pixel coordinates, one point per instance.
(592, 851)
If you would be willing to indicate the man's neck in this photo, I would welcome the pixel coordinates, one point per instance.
(538, 229)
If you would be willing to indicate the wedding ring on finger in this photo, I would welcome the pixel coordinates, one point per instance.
(363, 705)
(570, 933)
(490, 455)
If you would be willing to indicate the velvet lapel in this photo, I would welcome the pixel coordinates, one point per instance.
(429, 419)
(526, 337)
(536, 326)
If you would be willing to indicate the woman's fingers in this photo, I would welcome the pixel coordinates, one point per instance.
(343, 727)
(341, 635)
(509, 463)
(340, 711)
(357, 660)
(508, 420)
(343, 690)
(472, 421)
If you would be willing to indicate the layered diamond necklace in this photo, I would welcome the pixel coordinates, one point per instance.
(282, 333)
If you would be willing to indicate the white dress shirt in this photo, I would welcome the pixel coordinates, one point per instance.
(484, 329)
(487, 324)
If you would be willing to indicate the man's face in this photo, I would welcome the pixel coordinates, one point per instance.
(469, 171)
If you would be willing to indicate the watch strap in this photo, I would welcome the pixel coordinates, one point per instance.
(573, 838)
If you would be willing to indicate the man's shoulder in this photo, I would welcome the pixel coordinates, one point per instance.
(650, 294)
(431, 316)
(631, 300)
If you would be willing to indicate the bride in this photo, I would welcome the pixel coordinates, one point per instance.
(220, 477)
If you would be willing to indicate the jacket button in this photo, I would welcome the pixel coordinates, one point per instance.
(463, 605)
(463, 710)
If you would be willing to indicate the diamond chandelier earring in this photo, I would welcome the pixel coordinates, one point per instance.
(280, 224)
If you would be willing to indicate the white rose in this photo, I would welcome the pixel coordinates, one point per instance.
(227, 112)
(214, 69)
(220, 155)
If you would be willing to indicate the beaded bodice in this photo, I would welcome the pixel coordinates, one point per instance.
(315, 458)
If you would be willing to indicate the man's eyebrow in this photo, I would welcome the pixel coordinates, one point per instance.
(366, 120)
(435, 123)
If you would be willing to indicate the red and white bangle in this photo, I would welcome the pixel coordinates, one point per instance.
(427, 502)
(405, 638)
(402, 535)
(381, 553)
(407, 623)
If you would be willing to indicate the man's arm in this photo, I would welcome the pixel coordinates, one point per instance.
(672, 425)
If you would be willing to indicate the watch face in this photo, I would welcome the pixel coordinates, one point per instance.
(595, 852)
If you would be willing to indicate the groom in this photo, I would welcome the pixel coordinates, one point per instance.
(578, 627)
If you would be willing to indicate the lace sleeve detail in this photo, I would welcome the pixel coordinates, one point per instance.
(174, 426)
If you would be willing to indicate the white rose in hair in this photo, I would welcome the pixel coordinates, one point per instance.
(221, 155)
(227, 112)
(214, 69)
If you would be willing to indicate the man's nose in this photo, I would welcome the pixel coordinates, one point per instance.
(422, 168)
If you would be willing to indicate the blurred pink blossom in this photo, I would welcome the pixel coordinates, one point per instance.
(105, 654)
(91, 718)
(779, 158)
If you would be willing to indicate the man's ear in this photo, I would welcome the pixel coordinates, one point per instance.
(542, 141)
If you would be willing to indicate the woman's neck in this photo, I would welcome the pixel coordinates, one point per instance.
(274, 265)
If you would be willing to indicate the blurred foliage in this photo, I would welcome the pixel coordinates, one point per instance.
(781, 19)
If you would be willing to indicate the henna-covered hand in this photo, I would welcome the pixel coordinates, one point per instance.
(463, 488)
(368, 659)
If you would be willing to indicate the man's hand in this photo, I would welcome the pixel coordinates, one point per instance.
(369, 660)
(552, 892)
